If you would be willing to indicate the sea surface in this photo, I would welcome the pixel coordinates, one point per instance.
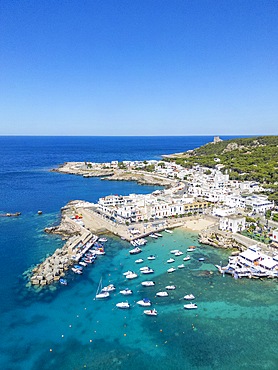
(64, 327)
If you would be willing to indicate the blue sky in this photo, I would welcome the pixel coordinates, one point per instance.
(138, 67)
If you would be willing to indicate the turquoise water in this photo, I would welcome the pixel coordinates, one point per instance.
(235, 325)
(64, 328)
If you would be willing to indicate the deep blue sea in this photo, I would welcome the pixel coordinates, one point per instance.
(64, 328)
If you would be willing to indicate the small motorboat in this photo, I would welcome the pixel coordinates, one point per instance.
(153, 236)
(179, 253)
(148, 283)
(135, 250)
(149, 271)
(170, 260)
(139, 261)
(189, 297)
(162, 294)
(151, 257)
(168, 231)
(187, 258)
(126, 291)
(131, 276)
(123, 305)
(159, 235)
(201, 259)
(82, 263)
(108, 288)
(190, 306)
(63, 281)
(172, 269)
(170, 287)
(191, 249)
(144, 268)
(145, 302)
(181, 266)
(151, 312)
(76, 271)
(102, 240)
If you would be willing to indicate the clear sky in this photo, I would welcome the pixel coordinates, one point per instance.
(138, 67)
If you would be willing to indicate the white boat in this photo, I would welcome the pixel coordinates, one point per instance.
(191, 249)
(174, 251)
(162, 294)
(168, 231)
(170, 287)
(159, 235)
(149, 271)
(139, 261)
(126, 291)
(144, 268)
(172, 269)
(82, 263)
(123, 305)
(100, 294)
(189, 297)
(148, 283)
(108, 288)
(127, 272)
(76, 271)
(151, 312)
(131, 276)
(170, 260)
(145, 302)
(135, 250)
(151, 257)
(102, 240)
(190, 306)
(181, 266)
(187, 258)
(179, 253)
(153, 236)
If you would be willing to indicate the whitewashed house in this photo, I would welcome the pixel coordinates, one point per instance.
(232, 223)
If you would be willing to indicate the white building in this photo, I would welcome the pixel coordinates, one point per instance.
(233, 223)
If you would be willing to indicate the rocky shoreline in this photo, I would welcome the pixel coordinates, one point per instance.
(218, 240)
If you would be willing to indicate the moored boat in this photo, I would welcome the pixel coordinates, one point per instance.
(170, 260)
(190, 306)
(102, 240)
(131, 276)
(135, 250)
(168, 231)
(148, 271)
(187, 258)
(174, 251)
(140, 260)
(126, 291)
(172, 269)
(151, 257)
(100, 294)
(189, 297)
(123, 305)
(162, 294)
(191, 248)
(109, 288)
(148, 283)
(145, 302)
(178, 253)
(181, 266)
(170, 287)
(63, 281)
(151, 312)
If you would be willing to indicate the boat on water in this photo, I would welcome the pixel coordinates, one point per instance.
(128, 272)
(181, 266)
(148, 271)
(102, 240)
(131, 276)
(100, 294)
(153, 236)
(159, 235)
(201, 259)
(162, 294)
(140, 260)
(174, 251)
(168, 231)
(148, 283)
(144, 268)
(179, 253)
(123, 305)
(189, 297)
(126, 291)
(109, 288)
(151, 312)
(63, 281)
(187, 258)
(190, 306)
(135, 250)
(170, 260)
(82, 263)
(191, 249)
(172, 269)
(145, 302)
(76, 270)
(170, 287)
(151, 257)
